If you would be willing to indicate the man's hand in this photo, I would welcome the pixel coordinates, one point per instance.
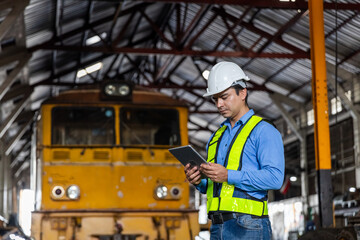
(216, 172)
(193, 174)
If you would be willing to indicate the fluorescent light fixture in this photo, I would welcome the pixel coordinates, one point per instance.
(90, 69)
(92, 40)
(95, 39)
(352, 189)
(205, 74)
(293, 178)
(81, 73)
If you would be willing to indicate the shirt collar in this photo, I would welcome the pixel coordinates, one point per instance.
(242, 120)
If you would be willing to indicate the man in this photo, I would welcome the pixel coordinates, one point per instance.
(245, 160)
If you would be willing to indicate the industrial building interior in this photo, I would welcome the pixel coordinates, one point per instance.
(48, 47)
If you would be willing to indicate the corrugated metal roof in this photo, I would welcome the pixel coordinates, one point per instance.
(289, 77)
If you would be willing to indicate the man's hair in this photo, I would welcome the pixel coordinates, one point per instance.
(238, 88)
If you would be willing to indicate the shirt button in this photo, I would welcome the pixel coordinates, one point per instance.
(225, 145)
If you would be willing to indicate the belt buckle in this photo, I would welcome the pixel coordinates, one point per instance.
(217, 218)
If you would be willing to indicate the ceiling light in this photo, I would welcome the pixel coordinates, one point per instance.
(92, 40)
(90, 69)
(205, 74)
(81, 73)
(293, 178)
(95, 39)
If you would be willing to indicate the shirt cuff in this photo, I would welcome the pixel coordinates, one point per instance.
(201, 186)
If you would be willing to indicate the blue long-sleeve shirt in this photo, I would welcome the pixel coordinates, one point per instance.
(263, 162)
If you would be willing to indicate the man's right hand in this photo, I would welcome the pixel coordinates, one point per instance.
(193, 174)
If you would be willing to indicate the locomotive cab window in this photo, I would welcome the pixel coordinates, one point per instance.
(142, 126)
(83, 126)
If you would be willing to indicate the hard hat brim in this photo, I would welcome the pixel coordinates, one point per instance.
(241, 83)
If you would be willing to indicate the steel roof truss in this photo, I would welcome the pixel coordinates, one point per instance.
(14, 114)
(19, 134)
(15, 160)
(5, 86)
(17, 8)
(274, 4)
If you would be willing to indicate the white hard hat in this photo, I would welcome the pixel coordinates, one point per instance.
(224, 75)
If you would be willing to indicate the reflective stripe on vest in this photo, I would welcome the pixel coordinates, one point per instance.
(226, 201)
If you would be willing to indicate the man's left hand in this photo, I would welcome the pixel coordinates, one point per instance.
(216, 172)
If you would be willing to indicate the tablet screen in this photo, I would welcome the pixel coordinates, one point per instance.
(187, 154)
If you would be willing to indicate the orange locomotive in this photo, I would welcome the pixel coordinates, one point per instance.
(102, 169)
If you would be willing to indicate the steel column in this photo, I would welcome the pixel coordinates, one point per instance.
(321, 114)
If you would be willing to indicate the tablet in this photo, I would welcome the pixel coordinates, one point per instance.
(187, 154)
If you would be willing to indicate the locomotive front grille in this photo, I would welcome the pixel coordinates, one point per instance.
(101, 155)
(61, 155)
(134, 156)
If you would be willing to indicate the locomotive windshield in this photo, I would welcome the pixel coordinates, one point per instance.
(145, 126)
(83, 126)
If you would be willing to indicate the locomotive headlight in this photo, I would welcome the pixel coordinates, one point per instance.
(110, 89)
(161, 191)
(175, 192)
(124, 90)
(121, 90)
(57, 192)
(73, 192)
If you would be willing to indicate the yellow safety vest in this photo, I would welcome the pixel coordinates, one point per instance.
(226, 201)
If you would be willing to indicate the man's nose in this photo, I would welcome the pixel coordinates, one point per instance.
(219, 102)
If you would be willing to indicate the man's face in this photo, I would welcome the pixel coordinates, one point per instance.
(229, 103)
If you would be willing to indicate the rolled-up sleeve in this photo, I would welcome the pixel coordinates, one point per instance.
(202, 186)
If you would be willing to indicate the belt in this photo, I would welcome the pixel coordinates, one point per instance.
(220, 218)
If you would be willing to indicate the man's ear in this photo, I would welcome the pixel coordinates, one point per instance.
(243, 94)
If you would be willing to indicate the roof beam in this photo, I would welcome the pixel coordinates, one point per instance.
(5, 86)
(15, 113)
(13, 54)
(194, 23)
(152, 51)
(17, 9)
(290, 120)
(259, 31)
(280, 32)
(274, 4)
(15, 160)
(93, 25)
(25, 165)
(50, 80)
(28, 120)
